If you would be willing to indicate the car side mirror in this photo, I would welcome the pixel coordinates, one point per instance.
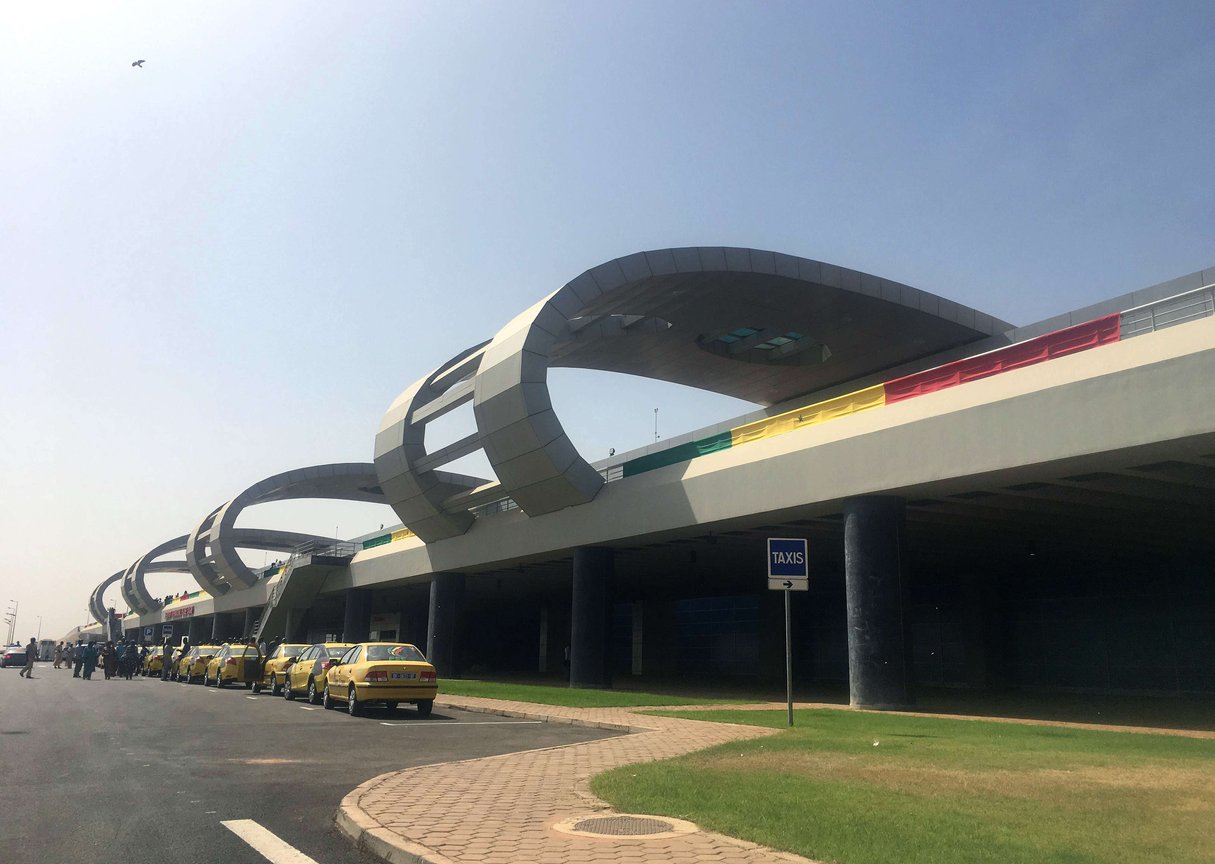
(333, 663)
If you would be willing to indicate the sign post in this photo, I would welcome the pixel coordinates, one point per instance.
(788, 570)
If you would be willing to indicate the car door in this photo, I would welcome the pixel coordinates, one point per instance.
(340, 677)
(302, 669)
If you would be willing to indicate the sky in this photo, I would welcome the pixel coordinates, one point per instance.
(228, 262)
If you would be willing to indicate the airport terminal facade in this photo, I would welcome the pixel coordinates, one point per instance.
(987, 506)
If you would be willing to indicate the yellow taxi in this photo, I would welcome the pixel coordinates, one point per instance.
(193, 666)
(234, 664)
(151, 663)
(306, 677)
(274, 671)
(179, 654)
(384, 672)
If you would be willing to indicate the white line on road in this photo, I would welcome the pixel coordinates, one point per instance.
(305, 707)
(474, 723)
(266, 843)
(254, 698)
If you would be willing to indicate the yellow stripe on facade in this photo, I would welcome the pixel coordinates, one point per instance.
(810, 415)
(400, 534)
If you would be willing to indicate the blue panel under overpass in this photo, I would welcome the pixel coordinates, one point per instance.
(787, 558)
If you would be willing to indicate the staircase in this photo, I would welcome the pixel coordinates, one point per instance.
(301, 579)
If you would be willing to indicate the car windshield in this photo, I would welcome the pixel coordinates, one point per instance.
(338, 651)
(394, 652)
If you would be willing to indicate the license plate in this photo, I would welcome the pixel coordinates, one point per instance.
(404, 676)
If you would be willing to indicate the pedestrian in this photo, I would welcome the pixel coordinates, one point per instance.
(166, 653)
(58, 655)
(130, 659)
(107, 660)
(77, 658)
(31, 654)
(90, 661)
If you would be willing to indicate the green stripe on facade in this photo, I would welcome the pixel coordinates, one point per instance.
(682, 453)
(377, 541)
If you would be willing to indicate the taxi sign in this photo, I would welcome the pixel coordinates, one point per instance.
(788, 561)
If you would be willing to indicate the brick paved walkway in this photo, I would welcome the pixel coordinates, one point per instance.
(502, 809)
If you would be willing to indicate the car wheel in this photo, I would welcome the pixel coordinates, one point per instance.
(276, 689)
(425, 707)
(327, 700)
(390, 705)
(352, 702)
(313, 696)
(288, 693)
(219, 680)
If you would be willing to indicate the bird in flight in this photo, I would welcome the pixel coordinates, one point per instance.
(138, 63)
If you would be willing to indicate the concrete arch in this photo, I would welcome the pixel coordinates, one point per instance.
(757, 325)
(211, 548)
(97, 607)
(407, 472)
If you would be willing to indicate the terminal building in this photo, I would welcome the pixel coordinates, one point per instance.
(986, 506)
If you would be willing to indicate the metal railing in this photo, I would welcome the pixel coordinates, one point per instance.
(1178, 309)
(318, 549)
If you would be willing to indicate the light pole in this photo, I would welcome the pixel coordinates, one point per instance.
(39, 628)
(11, 619)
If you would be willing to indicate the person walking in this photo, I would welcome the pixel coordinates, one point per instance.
(166, 655)
(31, 654)
(130, 659)
(77, 658)
(90, 661)
(58, 658)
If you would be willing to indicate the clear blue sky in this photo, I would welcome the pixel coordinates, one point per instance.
(227, 263)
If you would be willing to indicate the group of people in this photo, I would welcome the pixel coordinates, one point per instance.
(83, 658)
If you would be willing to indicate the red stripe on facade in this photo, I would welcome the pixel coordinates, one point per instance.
(1080, 337)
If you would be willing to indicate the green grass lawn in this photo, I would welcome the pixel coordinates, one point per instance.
(566, 696)
(863, 788)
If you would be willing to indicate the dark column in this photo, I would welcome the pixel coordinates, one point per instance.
(356, 624)
(252, 614)
(219, 629)
(443, 625)
(293, 628)
(197, 629)
(879, 632)
(591, 614)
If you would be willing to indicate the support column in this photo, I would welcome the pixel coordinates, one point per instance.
(293, 628)
(252, 614)
(879, 629)
(197, 629)
(591, 617)
(443, 624)
(219, 629)
(356, 624)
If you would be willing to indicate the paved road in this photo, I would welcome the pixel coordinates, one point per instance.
(143, 771)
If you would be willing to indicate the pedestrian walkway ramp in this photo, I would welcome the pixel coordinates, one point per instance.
(299, 583)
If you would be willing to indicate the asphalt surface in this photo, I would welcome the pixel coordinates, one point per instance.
(144, 771)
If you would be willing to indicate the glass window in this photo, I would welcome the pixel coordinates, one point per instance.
(349, 656)
(394, 652)
(307, 654)
(336, 652)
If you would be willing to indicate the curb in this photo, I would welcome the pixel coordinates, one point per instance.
(371, 837)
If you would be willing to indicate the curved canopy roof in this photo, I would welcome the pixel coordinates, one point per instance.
(760, 326)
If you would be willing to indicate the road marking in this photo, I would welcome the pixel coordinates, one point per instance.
(254, 698)
(263, 841)
(305, 707)
(474, 723)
